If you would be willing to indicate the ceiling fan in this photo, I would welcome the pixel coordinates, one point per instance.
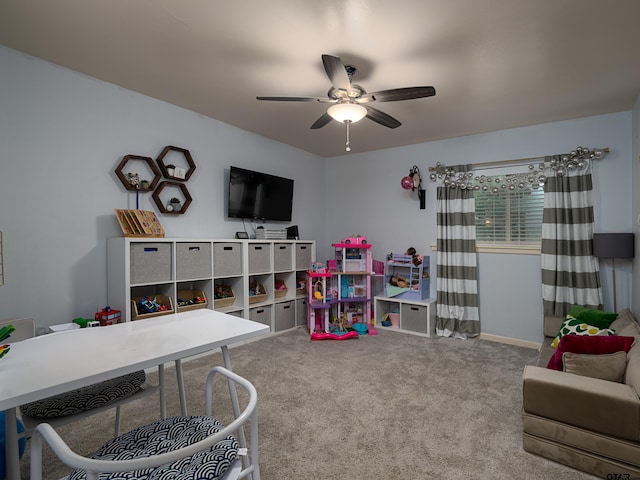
(350, 102)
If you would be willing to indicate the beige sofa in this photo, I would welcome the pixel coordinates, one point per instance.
(586, 423)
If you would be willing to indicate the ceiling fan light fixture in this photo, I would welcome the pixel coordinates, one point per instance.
(343, 112)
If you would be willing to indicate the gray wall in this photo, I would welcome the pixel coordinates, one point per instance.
(62, 134)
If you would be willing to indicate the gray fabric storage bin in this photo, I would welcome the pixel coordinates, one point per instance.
(259, 257)
(281, 257)
(261, 314)
(301, 311)
(193, 260)
(303, 256)
(414, 318)
(150, 262)
(227, 259)
(285, 315)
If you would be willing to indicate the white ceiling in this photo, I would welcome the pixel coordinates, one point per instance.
(495, 64)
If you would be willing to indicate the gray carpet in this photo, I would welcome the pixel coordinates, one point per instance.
(390, 406)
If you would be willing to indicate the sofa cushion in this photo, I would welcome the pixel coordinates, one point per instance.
(625, 318)
(575, 326)
(597, 318)
(609, 367)
(593, 345)
(632, 375)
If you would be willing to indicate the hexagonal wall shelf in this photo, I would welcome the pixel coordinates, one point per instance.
(187, 156)
(152, 167)
(162, 205)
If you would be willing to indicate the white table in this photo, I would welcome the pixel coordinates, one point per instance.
(56, 363)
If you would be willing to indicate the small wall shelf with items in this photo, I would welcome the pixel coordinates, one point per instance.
(168, 202)
(171, 171)
(128, 168)
(185, 274)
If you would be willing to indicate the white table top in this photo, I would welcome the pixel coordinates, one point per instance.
(56, 363)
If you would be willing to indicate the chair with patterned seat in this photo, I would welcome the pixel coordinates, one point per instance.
(184, 447)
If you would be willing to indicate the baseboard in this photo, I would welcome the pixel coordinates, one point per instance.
(511, 341)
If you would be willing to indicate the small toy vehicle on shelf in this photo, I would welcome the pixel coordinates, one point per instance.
(355, 240)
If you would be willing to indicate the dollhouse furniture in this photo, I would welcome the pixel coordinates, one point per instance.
(410, 301)
(194, 446)
(339, 296)
(320, 299)
(353, 277)
(41, 367)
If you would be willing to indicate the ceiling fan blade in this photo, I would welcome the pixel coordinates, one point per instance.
(336, 72)
(322, 121)
(294, 99)
(381, 117)
(397, 94)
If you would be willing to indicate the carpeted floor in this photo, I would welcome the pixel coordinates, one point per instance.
(389, 406)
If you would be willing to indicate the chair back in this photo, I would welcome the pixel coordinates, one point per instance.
(96, 465)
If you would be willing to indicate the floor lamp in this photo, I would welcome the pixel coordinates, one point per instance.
(613, 245)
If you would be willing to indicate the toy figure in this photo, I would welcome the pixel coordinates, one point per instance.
(134, 179)
(399, 281)
(416, 257)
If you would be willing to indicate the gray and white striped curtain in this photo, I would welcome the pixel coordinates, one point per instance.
(570, 272)
(457, 313)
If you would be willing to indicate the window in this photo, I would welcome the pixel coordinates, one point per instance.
(509, 217)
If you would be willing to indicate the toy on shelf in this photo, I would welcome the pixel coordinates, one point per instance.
(318, 290)
(407, 275)
(109, 316)
(5, 332)
(355, 240)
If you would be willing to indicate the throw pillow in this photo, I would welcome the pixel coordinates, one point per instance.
(575, 326)
(592, 345)
(610, 366)
(597, 318)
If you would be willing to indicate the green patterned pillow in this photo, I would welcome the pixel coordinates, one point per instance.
(575, 326)
(597, 318)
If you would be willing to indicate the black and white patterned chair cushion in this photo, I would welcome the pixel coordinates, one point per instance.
(165, 436)
(87, 398)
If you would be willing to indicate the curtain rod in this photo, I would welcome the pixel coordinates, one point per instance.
(507, 163)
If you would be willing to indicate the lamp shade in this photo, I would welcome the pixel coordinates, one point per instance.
(613, 245)
(343, 112)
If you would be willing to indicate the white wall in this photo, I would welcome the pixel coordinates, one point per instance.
(62, 135)
(365, 197)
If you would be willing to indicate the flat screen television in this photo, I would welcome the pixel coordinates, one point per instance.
(259, 196)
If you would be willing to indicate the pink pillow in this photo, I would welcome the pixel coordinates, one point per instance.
(594, 345)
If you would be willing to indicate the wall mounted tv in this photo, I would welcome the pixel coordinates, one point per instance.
(259, 196)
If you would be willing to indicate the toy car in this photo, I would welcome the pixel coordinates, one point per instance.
(355, 240)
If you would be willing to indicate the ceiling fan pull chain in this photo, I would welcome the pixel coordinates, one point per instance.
(348, 146)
